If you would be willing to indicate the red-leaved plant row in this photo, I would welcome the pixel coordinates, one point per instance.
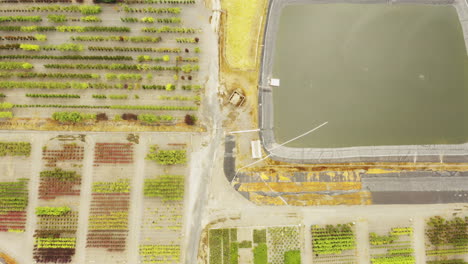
(113, 153)
(51, 188)
(105, 204)
(12, 220)
(69, 152)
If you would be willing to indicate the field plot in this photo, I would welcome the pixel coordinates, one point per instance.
(110, 202)
(391, 244)
(15, 171)
(334, 243)
(102, 66)
(446, 240)
(59, 190)
(15, 197)
(163, 203)
(275, 245)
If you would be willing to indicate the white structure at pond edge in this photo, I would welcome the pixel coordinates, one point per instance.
(275, 82)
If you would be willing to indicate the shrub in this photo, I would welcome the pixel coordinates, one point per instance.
(129, 116)
(190, 119)
(102, 117)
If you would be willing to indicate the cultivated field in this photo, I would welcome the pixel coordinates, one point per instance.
(93, 199)
(137, 63)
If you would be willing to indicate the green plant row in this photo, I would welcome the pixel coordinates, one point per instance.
(49, 75)
(64, 57)
(65, 28)
(114, 66)
(84, 9)
(119, 186)
(167, 157)
(20, 19)
(53, 242)
(400, 231)
(169, 10)
(179, 98)
(166, 187)
(169, 29)
(121, 107)
(79, 85)
(117, 38)
(448, 261)
(191, 87)
(124, 76)
(154, 107)
(135, 49)
(187, 40)
(150, 118)
(52, 211)
(38, 37)
(446, 252)
(73, 117)
(158, 253)
(52, 95)
(394, 260)
(60, 174)
(160, 1)
(8, 65)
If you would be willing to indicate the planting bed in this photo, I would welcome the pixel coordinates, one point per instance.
(164, 186)
(68, 63)
(447, 240)
(391, 245)
(15, 171)
(59, 190)
(334, 243)
(275, 245)
(110, 202)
